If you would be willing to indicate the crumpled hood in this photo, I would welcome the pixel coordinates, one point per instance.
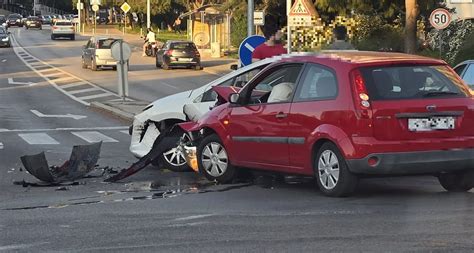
(172, 99)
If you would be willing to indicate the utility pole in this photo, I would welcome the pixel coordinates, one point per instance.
(250, 9)
(148, 14)
(288, 28)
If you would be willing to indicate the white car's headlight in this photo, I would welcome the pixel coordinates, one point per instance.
(18, 20)
(5, 39)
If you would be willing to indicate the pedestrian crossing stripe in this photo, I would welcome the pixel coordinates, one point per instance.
(38, 139)
(94, 137)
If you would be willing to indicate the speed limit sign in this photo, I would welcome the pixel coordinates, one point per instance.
(440, 18)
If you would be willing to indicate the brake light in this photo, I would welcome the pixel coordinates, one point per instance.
(169, 52)
(55, 27)
(361, 98)
(197, 53)
(97, 45)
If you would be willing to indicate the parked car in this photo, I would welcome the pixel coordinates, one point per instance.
(165, 112)
(178, 53)
(46, 19)
(343, 116)
(14, 20)
(97, 53)
(33, 22)
(3, 20)
(466, 71)
(63, 28)
(4, 37)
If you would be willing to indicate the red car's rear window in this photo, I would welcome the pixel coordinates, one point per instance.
(412, 82)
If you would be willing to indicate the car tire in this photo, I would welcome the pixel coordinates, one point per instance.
(84, 65)
(73, 37)
(332, 174)
(459, 181)
(26, 27)
(93, 66)
(198, 67)
(157, 65)
(213, 161)
(52, 37)
(114, 68)
(174, 157)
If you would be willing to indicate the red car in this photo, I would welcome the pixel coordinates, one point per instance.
(341, 116)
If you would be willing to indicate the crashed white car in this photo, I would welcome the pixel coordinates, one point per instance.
(167, 111)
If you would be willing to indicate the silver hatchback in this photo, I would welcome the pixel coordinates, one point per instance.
(97, 53)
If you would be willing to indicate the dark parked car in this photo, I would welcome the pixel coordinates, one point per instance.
(466, 71)
(14, 20)
(4, 37)
(178, 53)
(33, 22)
(46, 19)
(343, 116)
(3, 19)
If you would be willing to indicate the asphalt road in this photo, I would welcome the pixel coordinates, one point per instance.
(161, 211)
(146, 82)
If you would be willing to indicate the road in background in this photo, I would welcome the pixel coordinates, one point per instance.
(146, 82)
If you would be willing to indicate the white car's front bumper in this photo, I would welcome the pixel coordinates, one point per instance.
(144, 134)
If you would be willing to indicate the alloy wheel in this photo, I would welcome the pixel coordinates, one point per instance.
(214, 159)
(328, 169)
(176, 155)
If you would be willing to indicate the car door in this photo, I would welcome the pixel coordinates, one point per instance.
(160, 52)
(313, 105)
(87, 51)
(258, 126)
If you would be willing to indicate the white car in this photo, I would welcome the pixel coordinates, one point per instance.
(63, 28)
(466, 71)
(167, 111)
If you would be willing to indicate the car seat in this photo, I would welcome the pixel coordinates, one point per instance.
(326, 87)
(383, 83)
(281, 93)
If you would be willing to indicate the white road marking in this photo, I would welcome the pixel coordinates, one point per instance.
(1, 145)
(83, 90)
(93, 137)
(70, 85)
(38, 139)
(169, 85)
(10, 81)
(72, 116)
(249, 47)
(63, 79)
(194, 217)
(53, 74)
(4, 60)
(3, 130)
(20, 246)
(125, 132)
(96, 96)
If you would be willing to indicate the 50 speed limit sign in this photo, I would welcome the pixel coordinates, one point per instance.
(440, 18)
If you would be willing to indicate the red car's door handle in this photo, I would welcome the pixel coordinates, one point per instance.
(281, 115)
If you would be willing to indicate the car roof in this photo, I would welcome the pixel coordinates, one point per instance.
(465, 62)
(179, 41)
(354, 57)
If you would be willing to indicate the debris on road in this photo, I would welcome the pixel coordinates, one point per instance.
(159, 146)
(82, 161)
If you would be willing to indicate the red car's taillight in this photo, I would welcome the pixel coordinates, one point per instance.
(361, 97)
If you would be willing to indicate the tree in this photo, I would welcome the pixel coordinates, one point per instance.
(411, 9)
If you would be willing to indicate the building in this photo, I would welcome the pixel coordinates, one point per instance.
(464, 8)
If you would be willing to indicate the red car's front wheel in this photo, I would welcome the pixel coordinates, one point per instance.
(213, 160)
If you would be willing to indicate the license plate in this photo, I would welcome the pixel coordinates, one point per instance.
(185, 59)
(431, 124)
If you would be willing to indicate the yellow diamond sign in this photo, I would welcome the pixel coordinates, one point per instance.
(125, 7)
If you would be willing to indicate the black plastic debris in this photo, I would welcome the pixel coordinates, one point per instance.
(159, 146)
(82, 161)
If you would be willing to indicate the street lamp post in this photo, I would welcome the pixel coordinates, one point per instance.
(148, 14)
(250, 9)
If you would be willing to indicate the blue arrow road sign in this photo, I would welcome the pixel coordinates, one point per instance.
(247, 47)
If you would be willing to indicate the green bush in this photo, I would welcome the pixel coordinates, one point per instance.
(466, 52)
(384, 38)
(238, 29)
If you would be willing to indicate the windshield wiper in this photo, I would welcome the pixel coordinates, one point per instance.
(439, 93)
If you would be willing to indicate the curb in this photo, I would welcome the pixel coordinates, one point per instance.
(117, 112)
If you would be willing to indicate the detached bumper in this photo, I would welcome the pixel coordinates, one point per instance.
(144, 135)
(425, 162)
